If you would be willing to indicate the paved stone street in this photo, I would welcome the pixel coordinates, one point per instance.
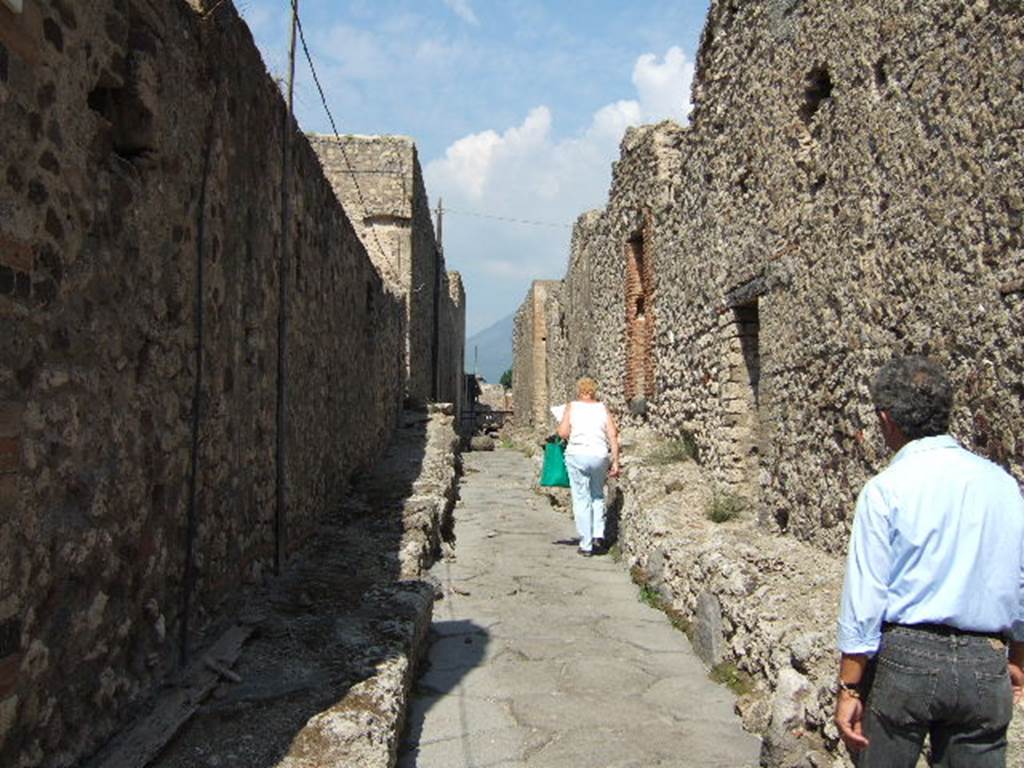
(545, 659)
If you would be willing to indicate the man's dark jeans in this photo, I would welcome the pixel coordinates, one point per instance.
(955, 688)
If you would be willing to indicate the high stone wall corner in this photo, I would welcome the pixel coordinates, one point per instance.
(140, 146)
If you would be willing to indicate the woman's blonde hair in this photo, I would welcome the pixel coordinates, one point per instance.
(586, 386)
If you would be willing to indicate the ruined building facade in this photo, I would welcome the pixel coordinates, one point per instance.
(848, 188)
(531, 394)
(379, 181)
(151, 409)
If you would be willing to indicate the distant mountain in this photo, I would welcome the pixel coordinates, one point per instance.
(494, 348)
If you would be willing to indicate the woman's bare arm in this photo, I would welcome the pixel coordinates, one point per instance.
(564, 428)
(613, 444)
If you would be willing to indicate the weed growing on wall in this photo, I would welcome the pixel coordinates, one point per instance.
(650, 596)
(675, 451)
(735, 679)
(724, 506)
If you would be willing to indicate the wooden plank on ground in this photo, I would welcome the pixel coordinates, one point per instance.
(137, 747)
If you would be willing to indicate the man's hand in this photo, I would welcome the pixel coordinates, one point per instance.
(614, 469)
(1016, 681)
(849, 711)
(1016, 668)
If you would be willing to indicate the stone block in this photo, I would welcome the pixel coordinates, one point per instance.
(9, 666)
(708, 635)
(8, 714)
(654, 570)
(784, 744)
(16, 253)
(481, 443)
(10, 453)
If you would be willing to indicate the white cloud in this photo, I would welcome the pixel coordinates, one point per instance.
(463, 10)
(527, 158)
(664, 89)
(527, 172)
(469, 163)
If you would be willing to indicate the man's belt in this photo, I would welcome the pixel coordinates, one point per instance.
(945, 630)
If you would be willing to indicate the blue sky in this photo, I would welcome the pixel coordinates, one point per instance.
(517, 108)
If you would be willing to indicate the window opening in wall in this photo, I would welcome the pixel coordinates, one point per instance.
(748, 327)
(639, 322)
(819, 88)
(130, 121)
(881, 75)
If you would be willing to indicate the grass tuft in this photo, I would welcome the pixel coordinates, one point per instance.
(675, 451)
(724, 506)
(649, 596)
(735, 679)
(615, 552)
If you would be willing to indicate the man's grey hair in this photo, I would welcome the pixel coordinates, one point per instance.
(917, 394)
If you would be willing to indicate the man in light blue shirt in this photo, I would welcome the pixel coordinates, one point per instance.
(931, 625)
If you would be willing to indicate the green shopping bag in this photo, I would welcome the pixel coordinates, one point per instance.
(554, 473)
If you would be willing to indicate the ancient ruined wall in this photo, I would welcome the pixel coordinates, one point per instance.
(140, 148)
(858, 174)
(379, 182)
(522, 362)
(452, 337)
(847, 189)
(610, 301)
(530, 352)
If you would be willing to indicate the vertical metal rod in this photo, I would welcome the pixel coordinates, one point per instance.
(192, 513)
(440, 225)
(282, 316)
(436, 351)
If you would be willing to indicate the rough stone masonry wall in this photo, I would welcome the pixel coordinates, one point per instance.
(595, 329)
(379, 181)
(533, 329)
(848, 188)
(452, 339)
(861, 179)
(138, 141)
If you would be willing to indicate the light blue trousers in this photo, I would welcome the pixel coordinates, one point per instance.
(586, 479)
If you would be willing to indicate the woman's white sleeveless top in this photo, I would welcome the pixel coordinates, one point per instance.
(588, 435)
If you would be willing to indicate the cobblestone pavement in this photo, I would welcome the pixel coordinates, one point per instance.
(543, 658)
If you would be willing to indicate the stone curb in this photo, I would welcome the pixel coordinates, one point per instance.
(365, 726)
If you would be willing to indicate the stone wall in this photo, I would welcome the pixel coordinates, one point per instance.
(532, 357)
(452, 339)
(140, 238)
(379, 181)
(846, 190)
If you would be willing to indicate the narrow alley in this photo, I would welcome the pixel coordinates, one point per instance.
(540, 657)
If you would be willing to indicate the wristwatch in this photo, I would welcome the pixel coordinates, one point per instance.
(851, 688)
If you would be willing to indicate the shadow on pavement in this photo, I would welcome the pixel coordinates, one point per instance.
(456, 647)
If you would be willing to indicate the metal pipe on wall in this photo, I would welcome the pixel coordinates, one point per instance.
(281, 453)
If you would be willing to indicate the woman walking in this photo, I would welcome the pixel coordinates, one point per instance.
(592, 435)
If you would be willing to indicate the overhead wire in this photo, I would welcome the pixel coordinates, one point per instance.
(354, 173)
(334, 128)
(531, 222)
